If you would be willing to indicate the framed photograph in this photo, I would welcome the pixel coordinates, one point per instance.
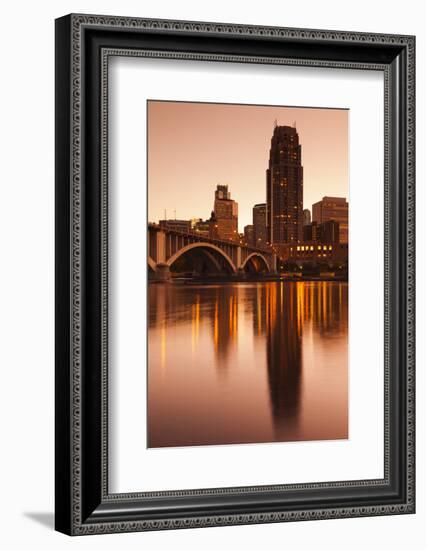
(234, 274)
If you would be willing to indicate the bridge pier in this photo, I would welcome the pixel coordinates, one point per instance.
(241, 273)
(162, 273)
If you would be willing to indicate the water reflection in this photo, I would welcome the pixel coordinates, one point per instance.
(241, 363)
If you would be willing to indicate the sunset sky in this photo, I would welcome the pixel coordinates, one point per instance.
(192, 147)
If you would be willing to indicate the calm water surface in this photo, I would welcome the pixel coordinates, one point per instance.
(247, 363)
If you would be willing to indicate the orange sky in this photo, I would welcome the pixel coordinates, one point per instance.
(192, 147)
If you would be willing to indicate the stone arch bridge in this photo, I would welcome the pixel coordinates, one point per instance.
(208, 256)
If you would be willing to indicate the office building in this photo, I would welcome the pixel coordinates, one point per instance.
(225, 214)
(260, 237)
(336, 209)
(284, 187)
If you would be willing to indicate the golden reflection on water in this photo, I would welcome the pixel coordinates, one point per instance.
(247, 363)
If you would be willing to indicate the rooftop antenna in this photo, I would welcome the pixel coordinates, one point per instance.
(275, 123)
(165, 214)
(294, 124)
(175, 213)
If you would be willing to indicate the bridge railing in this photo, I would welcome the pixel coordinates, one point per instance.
(222, 242)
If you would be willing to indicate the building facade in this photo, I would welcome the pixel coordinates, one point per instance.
(248, 235)
(203, 228)
(336, 209)
(260, 236)
(225, 214)
(284, 187)
(177, 225)
(311, 232)
(327, 232)
(314, 253)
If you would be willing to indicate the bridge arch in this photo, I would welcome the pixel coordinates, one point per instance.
(208, 247)
(212, 258)
(258, 256)
(152, 264)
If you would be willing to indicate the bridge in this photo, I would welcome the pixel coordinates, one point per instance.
(169, 248)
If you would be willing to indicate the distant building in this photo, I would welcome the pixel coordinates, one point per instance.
(311, 232)
(306, 216)
(249, 235)
(260, 236)
(195, 221)
(222, 192)
(284, 187)
(333, 208)
(226, 214)
(327, 232)
(330, 232)
(314, 253)
(176, 225)
(202, 227)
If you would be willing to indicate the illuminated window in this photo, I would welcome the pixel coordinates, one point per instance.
(312, 247)
(330, 247)
(303, 248)
(319, 248)
(298, 248)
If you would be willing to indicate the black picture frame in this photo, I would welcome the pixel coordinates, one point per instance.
(83, 504)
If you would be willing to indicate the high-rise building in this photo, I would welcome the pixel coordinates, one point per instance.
(306, 216)
(333, 208)
(260, 236)
(284, 187)
(226, 214)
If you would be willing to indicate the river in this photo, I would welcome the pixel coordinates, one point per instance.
(247, 362)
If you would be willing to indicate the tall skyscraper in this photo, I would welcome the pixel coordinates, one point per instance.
(260, 236)
(226, 214)
(333, 208)
(284, 187)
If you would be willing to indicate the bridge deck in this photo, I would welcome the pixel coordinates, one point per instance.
(203, 238)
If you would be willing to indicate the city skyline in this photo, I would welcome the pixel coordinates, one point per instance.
(191, 143)
(263, 312)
